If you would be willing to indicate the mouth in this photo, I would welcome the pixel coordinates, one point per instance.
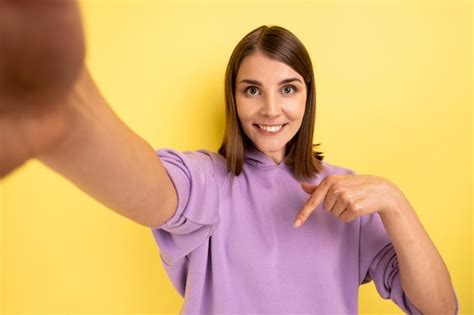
(270, 129)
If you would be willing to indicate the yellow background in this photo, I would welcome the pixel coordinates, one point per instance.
(394, 97)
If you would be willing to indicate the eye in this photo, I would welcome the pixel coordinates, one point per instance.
(289, 89)
(252, 90)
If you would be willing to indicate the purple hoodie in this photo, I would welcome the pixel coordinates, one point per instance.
(231, 247)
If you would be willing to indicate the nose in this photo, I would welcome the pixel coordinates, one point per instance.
(270, 107)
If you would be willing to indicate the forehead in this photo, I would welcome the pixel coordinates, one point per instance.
(259, 67)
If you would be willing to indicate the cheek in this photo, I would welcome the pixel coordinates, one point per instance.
(302, 107)
(295, 110)
(238, 108)
(244, 110)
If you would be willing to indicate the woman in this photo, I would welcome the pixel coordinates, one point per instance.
(224, 222)
(231, 247)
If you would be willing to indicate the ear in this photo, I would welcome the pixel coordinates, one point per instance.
(308, 188)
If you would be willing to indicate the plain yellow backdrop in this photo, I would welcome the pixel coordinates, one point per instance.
(394, 98)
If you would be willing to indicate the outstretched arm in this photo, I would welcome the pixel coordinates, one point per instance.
(107, 160)
(51, 109)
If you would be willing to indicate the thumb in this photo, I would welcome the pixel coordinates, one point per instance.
(308, 188)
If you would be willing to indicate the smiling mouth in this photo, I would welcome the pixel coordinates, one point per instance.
(270, 128)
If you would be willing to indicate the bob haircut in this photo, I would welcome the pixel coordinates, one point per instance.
(280, 44)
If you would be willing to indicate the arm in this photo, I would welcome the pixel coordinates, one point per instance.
(108, 161)
(423, 273)
(51, 109)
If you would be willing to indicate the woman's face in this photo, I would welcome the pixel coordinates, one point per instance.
(270, 98)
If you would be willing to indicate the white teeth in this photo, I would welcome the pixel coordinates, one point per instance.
(271, 128)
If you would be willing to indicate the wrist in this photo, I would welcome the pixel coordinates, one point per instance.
(396, 203)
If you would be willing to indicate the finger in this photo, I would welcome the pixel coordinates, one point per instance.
(308, 188)
(347, 216)
(338, 208)
(316, 197)
(330, 200)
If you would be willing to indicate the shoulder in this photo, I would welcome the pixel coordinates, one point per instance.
(198, 155)
(200, 159)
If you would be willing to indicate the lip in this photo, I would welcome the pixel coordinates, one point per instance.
(269, 133)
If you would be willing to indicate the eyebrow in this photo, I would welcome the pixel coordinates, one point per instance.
(257, 83)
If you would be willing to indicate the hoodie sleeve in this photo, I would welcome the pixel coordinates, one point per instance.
(378, 262)
(197, 215)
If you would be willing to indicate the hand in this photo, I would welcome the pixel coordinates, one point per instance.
(26, 133)
(350, 196)
(41, 54)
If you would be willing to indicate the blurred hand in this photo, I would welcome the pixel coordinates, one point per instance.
(41, 55)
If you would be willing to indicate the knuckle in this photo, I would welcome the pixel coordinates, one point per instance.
(338, 190)
(357, 207)
(312, 202)
(328, 179)
(347, 198)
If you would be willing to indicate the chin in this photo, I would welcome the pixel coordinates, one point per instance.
(270, 148)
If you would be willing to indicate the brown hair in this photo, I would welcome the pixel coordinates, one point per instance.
(279, 44)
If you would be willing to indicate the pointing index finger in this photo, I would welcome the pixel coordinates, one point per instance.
(312, 203)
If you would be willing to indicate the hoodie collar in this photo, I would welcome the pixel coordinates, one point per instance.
(257, 158)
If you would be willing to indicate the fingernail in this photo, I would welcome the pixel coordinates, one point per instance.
(297, 223)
